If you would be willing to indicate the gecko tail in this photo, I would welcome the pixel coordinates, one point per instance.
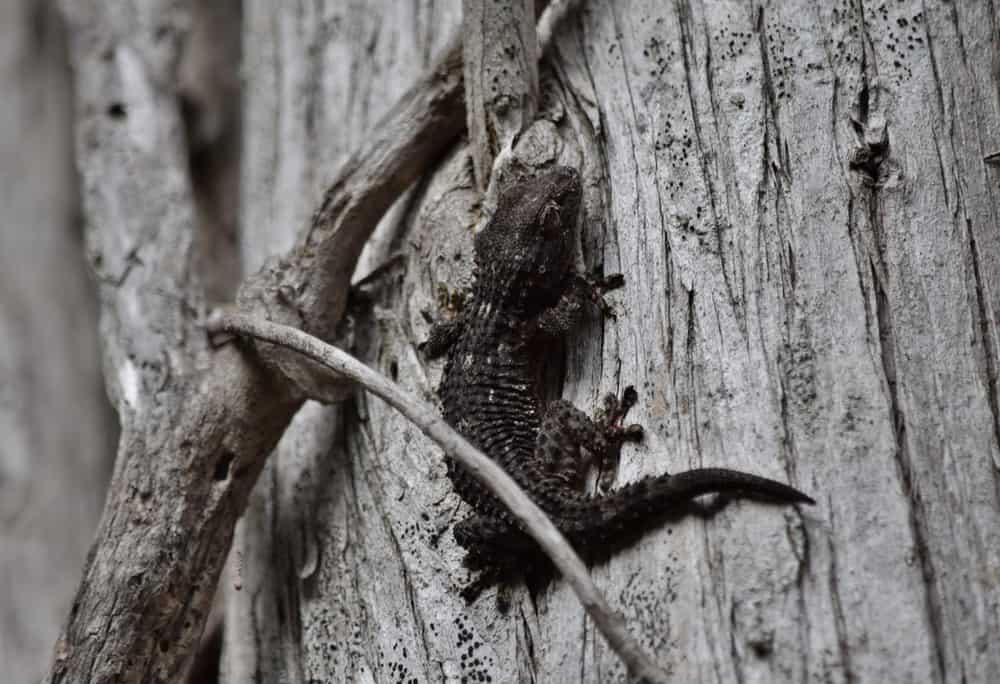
(598, 524)
(693, 483)
(603, 519)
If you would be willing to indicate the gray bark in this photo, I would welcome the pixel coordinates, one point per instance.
(340, 68)
(798, 199)
(55, 453)
(199, 416)
(194, 424)
(500, 59)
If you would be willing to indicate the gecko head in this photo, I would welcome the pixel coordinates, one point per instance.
(530, 239)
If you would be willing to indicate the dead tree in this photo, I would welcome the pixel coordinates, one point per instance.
(804, 203)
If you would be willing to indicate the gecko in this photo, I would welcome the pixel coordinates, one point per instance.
(527, 293)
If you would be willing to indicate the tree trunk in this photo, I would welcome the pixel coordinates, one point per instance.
(803, 200)
(799, 201)
(55, 453)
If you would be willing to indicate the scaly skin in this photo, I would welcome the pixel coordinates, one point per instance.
(526, 291)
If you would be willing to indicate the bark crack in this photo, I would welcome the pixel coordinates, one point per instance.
(839, 619)
(683, 17)
(733, 649)
(904, 460)
(986, 333)
(529, 645)
(690, 344)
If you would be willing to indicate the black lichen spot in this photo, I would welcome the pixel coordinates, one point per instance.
(116, 110)
(762, 647)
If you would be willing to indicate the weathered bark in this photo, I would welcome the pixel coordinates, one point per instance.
(799, 199)
(338, 69)
(56, 426)
(197, 422)
(500, 60)
(807, 298)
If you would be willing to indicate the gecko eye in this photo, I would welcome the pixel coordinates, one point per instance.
(550, 219)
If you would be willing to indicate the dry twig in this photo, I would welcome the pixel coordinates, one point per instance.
(425, 417)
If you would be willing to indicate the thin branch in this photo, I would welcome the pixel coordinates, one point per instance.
(425, 417)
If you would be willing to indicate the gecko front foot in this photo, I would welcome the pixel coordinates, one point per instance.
(596, 287)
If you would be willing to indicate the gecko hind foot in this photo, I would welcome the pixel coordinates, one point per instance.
(610, 418)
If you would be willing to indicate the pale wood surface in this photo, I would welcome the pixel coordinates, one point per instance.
(789, 310)
(781, 315)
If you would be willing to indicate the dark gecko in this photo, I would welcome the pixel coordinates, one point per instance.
(527, 291)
